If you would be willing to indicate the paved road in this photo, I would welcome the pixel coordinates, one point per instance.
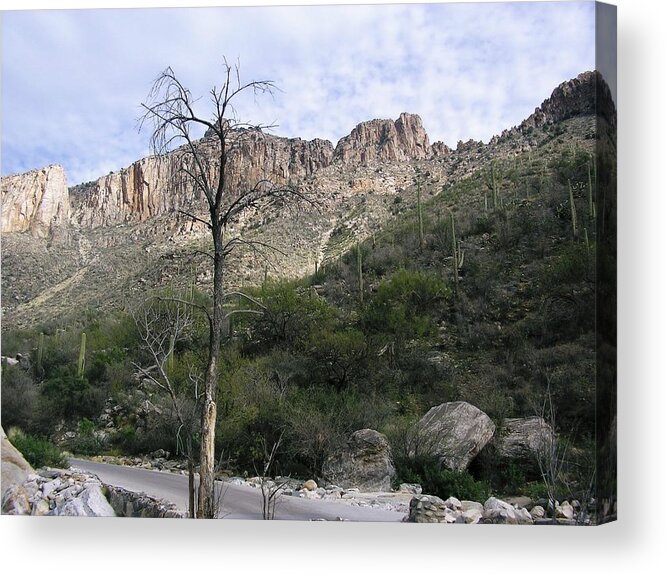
(239, 501)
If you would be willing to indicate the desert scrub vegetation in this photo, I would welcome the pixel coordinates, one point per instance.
(320, 362)
(38, 451)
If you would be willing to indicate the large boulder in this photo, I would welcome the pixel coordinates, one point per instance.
(15, 469)
(523, 438)
(453, 432)
(365, 462)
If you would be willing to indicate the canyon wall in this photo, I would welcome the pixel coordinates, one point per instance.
(35, 202)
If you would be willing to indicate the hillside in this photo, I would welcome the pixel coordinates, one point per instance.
(94, 245)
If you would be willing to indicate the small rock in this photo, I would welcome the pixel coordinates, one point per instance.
(310, 485)
(564, 511)
(453, 503)
(414, 488)
(538, 512)
(467, 505)
(51, 486)
(41, 507)
(471, 516)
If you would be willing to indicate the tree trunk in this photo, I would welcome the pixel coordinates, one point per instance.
(190, 487)
(206, 504)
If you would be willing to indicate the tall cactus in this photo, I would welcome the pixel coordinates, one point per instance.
(542, 178)
(587, 243)
(82, 355)
(40, 354)
(574, 223)
(359, 271)
(493, 180)
(420, 213)
(590, 191)
(458, 255)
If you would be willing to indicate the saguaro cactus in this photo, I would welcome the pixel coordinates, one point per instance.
(82, 355)
(359, 270)
(493, 182)
(574, 224)
(420, 213)
(590, 191)
(40, 353)
(458, 255)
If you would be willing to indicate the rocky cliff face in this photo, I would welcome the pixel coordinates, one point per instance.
(37, 201)
(155, 185)
(384, 141)
(586, 94)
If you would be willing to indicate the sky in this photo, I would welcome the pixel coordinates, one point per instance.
(73, 80)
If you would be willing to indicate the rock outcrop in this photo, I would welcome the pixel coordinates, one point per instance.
(523, 438)
(384, 141)
(452, 432)
(156, 184)
(440, 150)
(586, 94)
(35, 202)
(15, 469)
(365, 462)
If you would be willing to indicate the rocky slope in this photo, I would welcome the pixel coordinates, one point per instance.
(122, 234)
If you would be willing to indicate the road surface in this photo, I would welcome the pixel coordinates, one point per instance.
(238, 502)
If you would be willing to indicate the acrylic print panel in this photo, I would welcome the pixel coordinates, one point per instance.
(358, 265)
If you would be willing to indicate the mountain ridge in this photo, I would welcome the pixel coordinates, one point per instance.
(124, 234)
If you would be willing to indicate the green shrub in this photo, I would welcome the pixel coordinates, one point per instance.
(37, 451)
(19, 395)
(535, 490)
(573, 265)
(444, 483)
(406, 305)
(87, 442)
(290, 317)
(71, 397)
(338, 356)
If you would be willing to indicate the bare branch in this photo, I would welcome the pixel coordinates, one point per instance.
(195, 218)
(243, 295)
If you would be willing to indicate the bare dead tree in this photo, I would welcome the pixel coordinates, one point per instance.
(162, 324)
(271, 489)
(172, 113)
(552, 452)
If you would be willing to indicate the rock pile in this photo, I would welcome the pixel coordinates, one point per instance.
(431, 509)
(130, 504)
(57, 492)
(154, 461)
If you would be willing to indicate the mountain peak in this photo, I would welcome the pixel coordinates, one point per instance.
(384, 141)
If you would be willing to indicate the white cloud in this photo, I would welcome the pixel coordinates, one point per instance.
(72, 81)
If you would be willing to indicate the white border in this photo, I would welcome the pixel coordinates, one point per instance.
(630, 545)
